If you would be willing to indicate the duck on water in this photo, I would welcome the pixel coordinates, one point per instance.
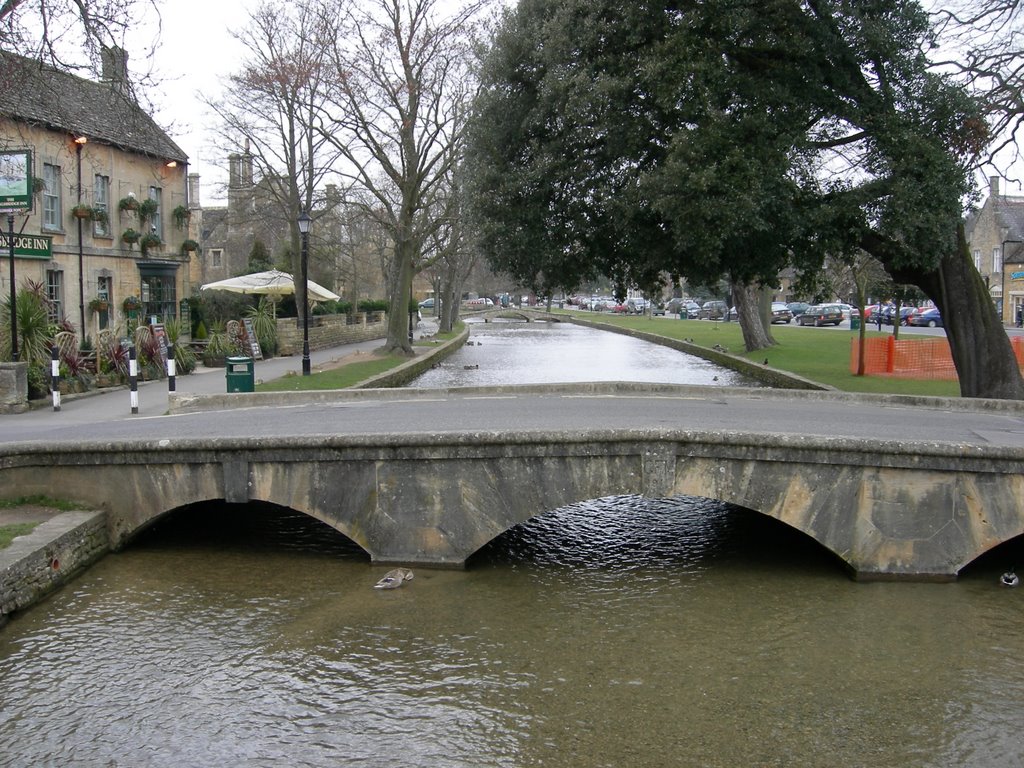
(394, 579)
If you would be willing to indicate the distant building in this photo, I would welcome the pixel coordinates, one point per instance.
(93, 147)
(995, 238)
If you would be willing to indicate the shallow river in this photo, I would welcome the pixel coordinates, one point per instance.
(542, 353)
(619, 632)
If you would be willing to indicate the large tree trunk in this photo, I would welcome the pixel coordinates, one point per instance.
(984, 359)
(746, 299)
(981, 350)
(398, 317)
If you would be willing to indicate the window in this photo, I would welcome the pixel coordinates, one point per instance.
(101, 202)
(55, 293)
(977, 259)
(159, 295)
(216, 254)
(156, 223)
(997, 259)
(51, 197)
(105, 291)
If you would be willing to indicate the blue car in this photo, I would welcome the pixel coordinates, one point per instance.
(929, 317)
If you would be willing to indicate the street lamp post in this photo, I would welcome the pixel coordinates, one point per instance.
(79, 143)
(304, 221)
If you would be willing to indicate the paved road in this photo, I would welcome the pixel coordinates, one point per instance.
(570, 408)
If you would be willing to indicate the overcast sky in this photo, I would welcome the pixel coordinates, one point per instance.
(195, 53)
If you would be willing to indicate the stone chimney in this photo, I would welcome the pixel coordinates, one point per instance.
(193, 191)
(114, 61)
(993, 186)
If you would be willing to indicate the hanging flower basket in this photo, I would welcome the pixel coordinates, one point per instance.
(82, 211)
(149, 242)
(147, 209)
(181, 216)
(130, 203)
(130, 237)
(189, 246)
(98, 304)
(131, 304)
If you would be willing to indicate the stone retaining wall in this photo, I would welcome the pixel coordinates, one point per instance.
(13, 387)
(329, 331)
(44, 560)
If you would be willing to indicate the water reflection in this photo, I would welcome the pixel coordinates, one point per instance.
(621, 631)
(505, 352)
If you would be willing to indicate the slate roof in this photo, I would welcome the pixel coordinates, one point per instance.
(34, 93)
(1009, 213)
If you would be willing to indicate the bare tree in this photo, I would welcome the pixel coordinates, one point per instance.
(402, 86)
(272, 105)
(982, 42)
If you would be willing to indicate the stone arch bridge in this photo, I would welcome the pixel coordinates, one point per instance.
(436, 499)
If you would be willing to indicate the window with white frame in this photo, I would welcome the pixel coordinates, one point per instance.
(977, 259)
(156, 223)
(101, 202)
(55, 294)
(997, 260)
(51, 197)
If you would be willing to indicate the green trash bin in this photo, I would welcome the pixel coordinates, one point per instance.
(241, 374)
(854, 323)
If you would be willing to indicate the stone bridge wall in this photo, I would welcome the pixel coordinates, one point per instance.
(922, 512)
(330, 331)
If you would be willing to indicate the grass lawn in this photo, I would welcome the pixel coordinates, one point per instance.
(820, 354)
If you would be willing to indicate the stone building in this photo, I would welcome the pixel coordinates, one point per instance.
(98, 158)
(995, 238)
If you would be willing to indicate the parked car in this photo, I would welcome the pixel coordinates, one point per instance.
(798, 307)
(481, 302)
(929, 317)
(692, 310)
(427, 304)
(781, 313)
(658, 309)
(713, 310)
(636, 306)
(821, 314)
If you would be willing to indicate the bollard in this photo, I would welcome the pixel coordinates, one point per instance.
(55, 376)
(171, 368)
(133, 378)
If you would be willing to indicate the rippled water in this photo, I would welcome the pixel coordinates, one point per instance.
(506, 352)
(618, 632)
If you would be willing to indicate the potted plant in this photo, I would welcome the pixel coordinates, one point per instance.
(189, 246)
(150, 241)
(130, 236)
(99, 304)
(128, 204)
(82, 211)
(131, 304)
(181, 216)
(100, 216)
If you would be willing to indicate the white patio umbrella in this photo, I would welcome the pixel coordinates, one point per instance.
(274, 282)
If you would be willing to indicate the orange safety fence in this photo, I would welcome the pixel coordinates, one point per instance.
(913, 358)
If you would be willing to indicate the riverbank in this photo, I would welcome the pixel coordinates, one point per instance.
(60, 545)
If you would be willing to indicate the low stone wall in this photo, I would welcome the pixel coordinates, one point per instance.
(329, 331)
(13, 387)
(44, 560)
